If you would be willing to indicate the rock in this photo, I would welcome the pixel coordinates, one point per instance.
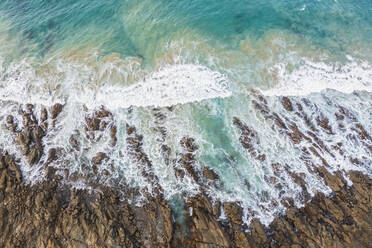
(29, 139)
(287, 104)
(74, 143)
(99, 157)
(258, 232)
(109, 217)
(102, 113)
(113, 131)
(188, 144)
(44, 115)
(234, 212)
(51, 155)
(10, 119)
(210, 174)
(33, 156)
(204, 229)
(63, 217)
(56, 110)
(249, 139)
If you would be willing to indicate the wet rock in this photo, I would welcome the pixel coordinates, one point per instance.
(99, 123)
(210, 174)
(56, 110)
(188, 144)
(249, 139)
(74, 143)
(10, 119)
(33, 156)
(204, 229)
(187, 161)
(234, 212)
(102, 113)
(63, 217)
(29, 138)
(93, 124)
(99, 157)
(44, 115)
(138, 156)
(324, 123)
(287, 104)
(113, 131)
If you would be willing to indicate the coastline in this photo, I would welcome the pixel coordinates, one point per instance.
(51, 213)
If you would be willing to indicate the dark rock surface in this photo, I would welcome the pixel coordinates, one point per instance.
(52, 214)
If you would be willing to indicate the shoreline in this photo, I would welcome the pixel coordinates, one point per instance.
(52, 214)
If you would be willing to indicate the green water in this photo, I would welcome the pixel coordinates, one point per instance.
(139, 28)
(87, 53)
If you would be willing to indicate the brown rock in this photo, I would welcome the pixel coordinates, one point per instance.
(56, 110)
(234, 212)
(210, 174)
(287, 103)
(99, 157)
(189, 144)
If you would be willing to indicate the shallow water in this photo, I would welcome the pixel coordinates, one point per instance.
(211, 60)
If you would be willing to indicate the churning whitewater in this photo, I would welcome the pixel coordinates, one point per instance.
(154, 94)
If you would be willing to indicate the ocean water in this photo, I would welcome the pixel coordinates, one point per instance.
(212, 61)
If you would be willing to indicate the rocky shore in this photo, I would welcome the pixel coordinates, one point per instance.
(51, 213)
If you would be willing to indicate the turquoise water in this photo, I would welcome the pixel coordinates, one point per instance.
(138, 28)
(211, 60)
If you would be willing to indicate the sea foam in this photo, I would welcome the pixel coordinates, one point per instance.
(178, 84)
(317, 76)
(171, 85)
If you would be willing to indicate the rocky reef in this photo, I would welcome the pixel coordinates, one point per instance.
(51, 213)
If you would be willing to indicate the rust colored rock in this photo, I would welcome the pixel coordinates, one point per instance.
(287, 103)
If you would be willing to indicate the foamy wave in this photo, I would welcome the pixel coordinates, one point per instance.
(178, 84)
(318, 76)
(174, 84)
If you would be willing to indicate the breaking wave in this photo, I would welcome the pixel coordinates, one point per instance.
(317, 76)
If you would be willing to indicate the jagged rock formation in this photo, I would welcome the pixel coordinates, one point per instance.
(51, 214)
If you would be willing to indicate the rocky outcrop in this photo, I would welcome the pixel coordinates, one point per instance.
(249, 139)
(97, 122)
(201, 227)
(343, 220)
(52, 214)
(29, 136)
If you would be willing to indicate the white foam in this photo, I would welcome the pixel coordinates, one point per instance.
(318, 76)
(173, 84)
(177, 84)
